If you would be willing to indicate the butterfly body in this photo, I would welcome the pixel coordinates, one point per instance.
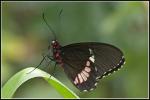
(56, 52)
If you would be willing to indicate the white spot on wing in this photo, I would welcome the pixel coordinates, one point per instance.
(84, 90)
(95, 84)
(92, 59)
(91, 89)
(124, 62)
(105, 72)
(98, 77)
(110, 69)
(91, 52)
(109, 74)
(121, 66)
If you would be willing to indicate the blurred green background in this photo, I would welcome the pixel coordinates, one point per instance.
(123, 24)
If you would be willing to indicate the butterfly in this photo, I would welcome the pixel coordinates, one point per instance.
(86, 63)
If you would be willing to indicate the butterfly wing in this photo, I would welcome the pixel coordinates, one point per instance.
(86, 63)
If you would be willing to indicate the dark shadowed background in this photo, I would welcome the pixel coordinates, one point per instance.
(123, 24)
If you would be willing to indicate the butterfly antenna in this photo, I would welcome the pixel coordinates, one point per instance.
(50, 28)
(60, 12)
(53, 70)
(38, 65)
(59, 19)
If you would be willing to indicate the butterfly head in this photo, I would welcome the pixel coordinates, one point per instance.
(55, 44)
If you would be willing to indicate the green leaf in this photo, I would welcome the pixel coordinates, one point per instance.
(19, 78)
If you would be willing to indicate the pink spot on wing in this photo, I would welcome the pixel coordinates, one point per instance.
(88, 63)
(57, 54)
(87, 69)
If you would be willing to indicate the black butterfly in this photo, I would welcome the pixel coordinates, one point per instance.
(85, 63)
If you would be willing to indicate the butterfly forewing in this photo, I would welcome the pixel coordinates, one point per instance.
(86, 63)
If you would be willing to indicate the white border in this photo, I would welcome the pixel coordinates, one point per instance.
(147, 2)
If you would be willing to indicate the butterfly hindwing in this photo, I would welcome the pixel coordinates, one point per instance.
(86, 63)
(87, 84)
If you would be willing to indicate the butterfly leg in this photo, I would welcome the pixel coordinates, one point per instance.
(53, 70)
(48, 62)
(38, 65)
(50, 57)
